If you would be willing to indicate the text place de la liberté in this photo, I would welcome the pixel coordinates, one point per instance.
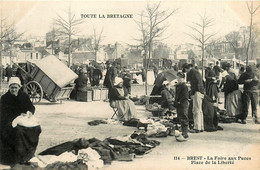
(220, 160)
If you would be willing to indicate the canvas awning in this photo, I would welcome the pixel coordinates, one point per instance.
(57, 71)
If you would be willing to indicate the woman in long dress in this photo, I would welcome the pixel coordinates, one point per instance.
(17, 143)
(126, 107)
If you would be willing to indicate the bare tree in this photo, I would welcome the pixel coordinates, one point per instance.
(233, 39)
(152, 26)
(211, 47)
(201, 34)
(68, 27)
(253, 49)
(8, 36)
(96, 40)
(251, 11)
(54, 34)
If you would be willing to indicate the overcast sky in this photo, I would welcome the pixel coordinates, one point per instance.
(36, 17)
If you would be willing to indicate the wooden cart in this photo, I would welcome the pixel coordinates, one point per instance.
(51, 79)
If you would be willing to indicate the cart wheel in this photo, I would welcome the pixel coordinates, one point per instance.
(35, 92)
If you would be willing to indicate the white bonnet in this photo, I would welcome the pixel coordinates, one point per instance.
(14, 80)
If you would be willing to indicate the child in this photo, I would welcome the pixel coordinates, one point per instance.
(182, 104)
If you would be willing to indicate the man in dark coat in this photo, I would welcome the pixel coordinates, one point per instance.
(9, 72)
(110, 75)
(175, 67)
(127, 83)
(90, 73)
(197, 94)
(155, 70)
(97, 76)
(217, 69)
(250, 82)
(81, 85)
(18, 144)
(82, 81)
(211, 83)
(157, 89)
(182, 105)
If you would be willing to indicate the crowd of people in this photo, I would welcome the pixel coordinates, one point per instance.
(203, 96)
(195, 102)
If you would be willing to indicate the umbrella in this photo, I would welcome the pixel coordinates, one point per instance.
(170, 75)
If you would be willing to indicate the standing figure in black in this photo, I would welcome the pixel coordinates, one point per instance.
(250, 93)
(110, 75)
(127, 83)
(90, 73)
(97, 75)
(9, 72)
(182, 105)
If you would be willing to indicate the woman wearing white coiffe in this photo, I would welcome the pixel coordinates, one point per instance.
(126, 107)
(19, 130)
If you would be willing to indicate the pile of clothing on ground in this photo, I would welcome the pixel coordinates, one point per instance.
(93, 153)
(225, 118)
(154, 127)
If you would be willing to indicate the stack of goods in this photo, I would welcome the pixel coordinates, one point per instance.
(155, 108)
(94, 153)
(99, 93)
(140, 101)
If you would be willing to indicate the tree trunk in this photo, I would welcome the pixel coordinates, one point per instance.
(95, 53)
(202, 48)
(69, 51)
(249, 39)
(1, 66)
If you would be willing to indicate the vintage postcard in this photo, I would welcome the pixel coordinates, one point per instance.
(71, 57)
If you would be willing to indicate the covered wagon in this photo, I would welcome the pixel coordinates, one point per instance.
(51, 79)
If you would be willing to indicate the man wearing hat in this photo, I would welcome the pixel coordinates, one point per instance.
(250, 82)
(110, 75)
(197, 95)
(182, 104)
(17, 144)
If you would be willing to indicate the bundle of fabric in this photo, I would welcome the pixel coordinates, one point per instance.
(224, 118)
(139, 123)
(141, 101)
(156, 109)
(67, 165)
(96, 122)
(137, 144)
(153, 107)
(132, 122)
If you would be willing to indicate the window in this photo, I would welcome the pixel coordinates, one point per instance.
(31, 55)
(37, 56)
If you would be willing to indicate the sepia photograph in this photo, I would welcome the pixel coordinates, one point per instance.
(129, 85)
